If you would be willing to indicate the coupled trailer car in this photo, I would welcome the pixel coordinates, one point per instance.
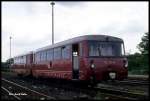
(84, 58)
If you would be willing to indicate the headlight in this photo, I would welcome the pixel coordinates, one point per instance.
(112, 75)
(125, 63)
(92, 66)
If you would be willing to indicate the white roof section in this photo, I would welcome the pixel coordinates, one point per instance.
(31, 52)
(76, 40)
(82, 38)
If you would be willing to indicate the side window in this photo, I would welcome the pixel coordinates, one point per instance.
(65, 52)
(37, 56)
(23, 59)
(18, 60)
(41, 56)
(57, 53)
(44, 55)
(14, 60)
(50, 54)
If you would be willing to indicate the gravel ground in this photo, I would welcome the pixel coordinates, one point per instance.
(4, 95)
(46, 89)
(140, 77)
(143, 89)
(63, 94)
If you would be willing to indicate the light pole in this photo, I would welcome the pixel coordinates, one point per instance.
(10, 46)
(52, 3)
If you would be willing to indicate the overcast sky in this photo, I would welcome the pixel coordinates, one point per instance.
(29, 23)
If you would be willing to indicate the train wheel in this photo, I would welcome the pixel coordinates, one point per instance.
(93, 82)
(30, 74)
(19, 75)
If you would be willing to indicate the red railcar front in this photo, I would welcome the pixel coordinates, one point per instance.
(105, 60)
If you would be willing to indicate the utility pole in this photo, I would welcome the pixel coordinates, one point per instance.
(10, 46)
(52, 3)
(10, 52)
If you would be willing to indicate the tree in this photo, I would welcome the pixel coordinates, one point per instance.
(143, 46)
(138, 62)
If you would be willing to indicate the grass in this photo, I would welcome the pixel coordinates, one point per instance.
(139, 72)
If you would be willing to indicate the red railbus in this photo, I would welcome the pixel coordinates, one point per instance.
(22, 64)
(84, 58)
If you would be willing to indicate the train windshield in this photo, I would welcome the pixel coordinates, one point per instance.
(97, 48)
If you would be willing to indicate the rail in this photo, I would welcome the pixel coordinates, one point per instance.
(32, 93)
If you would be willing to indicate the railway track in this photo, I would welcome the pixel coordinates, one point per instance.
(90, 92)
(118, 93)
(128, 82)
(5, 95)
(127, 88)
(134, 82)
(50, 88)
(112, 93)
(138, 77)
(20, 92)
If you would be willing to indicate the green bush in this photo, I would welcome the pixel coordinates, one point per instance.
(138, 64)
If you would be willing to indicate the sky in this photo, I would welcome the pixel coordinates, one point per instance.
(29, 23)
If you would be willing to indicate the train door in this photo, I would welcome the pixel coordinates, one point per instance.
(75, 61)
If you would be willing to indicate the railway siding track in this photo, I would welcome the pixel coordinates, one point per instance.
(20, 92)
(123, 94)
(5, 95)
(88, 92)
(52, 88)
(138, 77)
(134, 82)
(112, 93)
(131, 81)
